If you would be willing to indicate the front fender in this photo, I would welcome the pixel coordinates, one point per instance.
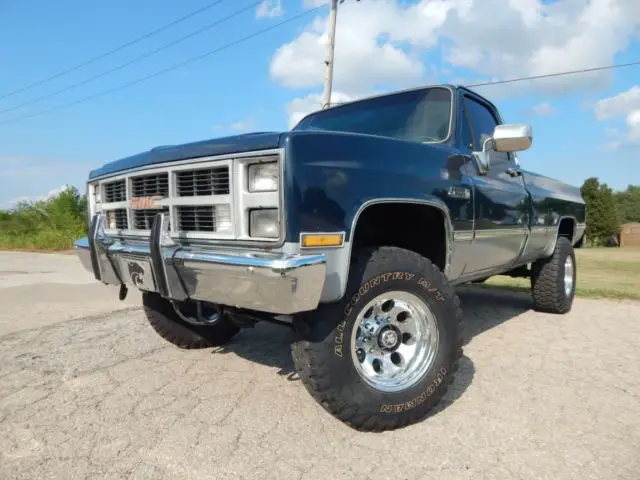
(333, 178)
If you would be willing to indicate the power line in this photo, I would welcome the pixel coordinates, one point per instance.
(130, 62)
(114, 50)
(557, 74)
(165, 70)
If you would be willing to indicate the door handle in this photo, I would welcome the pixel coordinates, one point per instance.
(514, 172)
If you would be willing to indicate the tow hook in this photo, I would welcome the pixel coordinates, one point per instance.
(202, 318)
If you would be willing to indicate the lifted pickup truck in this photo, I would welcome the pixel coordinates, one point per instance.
(352, 229)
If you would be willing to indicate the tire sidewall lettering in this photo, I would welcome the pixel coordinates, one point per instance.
(341, 339)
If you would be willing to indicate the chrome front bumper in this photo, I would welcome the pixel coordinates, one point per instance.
(271, 282)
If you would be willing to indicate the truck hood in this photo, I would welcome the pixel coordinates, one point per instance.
(216, 146)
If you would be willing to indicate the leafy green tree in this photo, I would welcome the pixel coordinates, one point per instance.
(49, 224)
(628, 204)
(602, 214)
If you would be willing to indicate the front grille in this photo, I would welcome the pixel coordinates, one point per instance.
(150, 185)
(204, 218)
(115, 191)
(209, 181)
(198, 198)
(117, 219)
(143, 219)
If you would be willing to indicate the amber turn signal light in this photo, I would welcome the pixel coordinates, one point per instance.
(309, 240)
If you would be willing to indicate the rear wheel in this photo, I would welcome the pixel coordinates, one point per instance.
(384, 355)
(553, 279)
(167, 323)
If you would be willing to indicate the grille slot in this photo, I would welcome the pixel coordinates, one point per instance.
(143, 219)
(206, 181)
(150, 185)
(117, 219)
(204, 218)
(115, 191)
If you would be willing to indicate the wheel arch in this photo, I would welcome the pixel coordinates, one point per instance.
(567, 227)
(339, 259)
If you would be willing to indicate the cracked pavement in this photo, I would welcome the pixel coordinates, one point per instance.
(88, 390)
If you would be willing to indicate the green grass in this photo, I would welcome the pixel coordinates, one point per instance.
(49, 225)
(602, 273)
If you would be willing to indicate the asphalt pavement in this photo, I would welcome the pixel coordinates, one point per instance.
(88, 390)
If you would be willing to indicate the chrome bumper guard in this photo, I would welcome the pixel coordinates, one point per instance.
(271, 282)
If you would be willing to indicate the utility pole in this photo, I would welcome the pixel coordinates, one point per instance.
(328, 72)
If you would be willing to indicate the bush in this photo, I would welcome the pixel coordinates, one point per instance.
(51, 224)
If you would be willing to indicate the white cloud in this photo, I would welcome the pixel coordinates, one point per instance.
(543, 109)
(270, 9)
(633, 123)
(300, 107)
(380, 43)
(618, 105)
(623, 105)
(370, 47)
(529, 38)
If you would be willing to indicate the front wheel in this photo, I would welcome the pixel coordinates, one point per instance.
(384, 355)
(167, 323)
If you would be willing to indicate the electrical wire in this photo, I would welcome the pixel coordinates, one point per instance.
(131, 62)
(166, 70)
(114, 50)
(557, 74)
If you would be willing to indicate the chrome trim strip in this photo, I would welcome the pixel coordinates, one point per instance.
(439, 204)
(499, 232)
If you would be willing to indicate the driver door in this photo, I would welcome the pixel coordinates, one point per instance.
(501, 201)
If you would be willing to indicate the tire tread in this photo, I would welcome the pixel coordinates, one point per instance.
(547, 285)
(317, 377)
(166, 323)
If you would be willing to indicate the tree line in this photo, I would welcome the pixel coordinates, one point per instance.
(50, 224)
(608, 210)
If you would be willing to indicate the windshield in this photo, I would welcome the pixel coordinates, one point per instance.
(417, 115)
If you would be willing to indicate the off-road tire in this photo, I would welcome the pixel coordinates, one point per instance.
(166, 322)
(322, 348)
(547, 280)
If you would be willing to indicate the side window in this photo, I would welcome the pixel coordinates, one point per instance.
(466, 134)
(482, 124)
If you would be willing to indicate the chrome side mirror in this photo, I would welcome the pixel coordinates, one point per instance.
(505, 138)
(512, 138)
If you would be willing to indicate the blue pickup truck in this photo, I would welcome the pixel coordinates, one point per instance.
(352, 229)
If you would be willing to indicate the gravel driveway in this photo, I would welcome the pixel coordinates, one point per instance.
(88, 390)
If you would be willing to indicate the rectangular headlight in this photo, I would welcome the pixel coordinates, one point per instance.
(263, 177)
(264, 223)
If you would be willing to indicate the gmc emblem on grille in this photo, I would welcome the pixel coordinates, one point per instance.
(145, 202)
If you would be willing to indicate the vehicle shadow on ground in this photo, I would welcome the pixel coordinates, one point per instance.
(269, 344)
(485, 308)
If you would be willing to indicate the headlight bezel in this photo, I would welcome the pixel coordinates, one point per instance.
(255, 169)
(275, 219)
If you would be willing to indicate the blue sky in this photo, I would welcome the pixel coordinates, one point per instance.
(583, 126)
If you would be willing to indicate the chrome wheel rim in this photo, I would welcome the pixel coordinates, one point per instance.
(568, 276)
(394, 341)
